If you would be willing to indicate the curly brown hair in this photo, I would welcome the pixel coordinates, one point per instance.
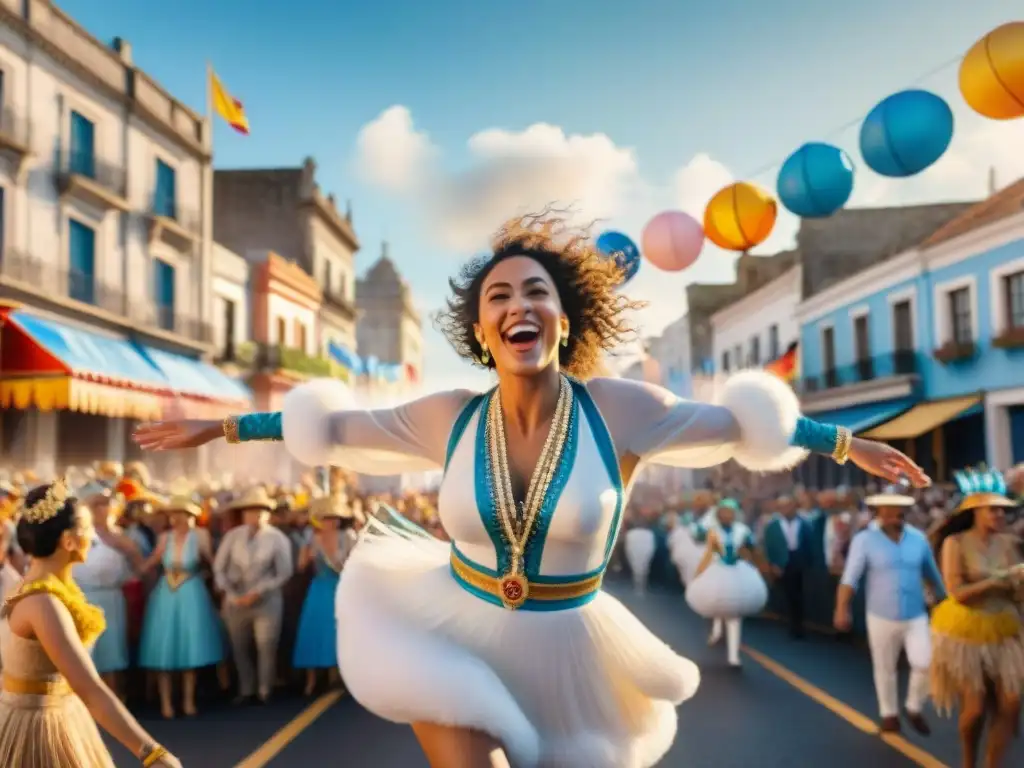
(585, 279)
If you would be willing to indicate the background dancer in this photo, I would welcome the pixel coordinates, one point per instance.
(977, 631)
(727, 586)
(502, 641)
(52, 695)
(640, 546)
(897, 559)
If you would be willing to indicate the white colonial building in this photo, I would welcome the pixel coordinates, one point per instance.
(231, 312)
(105, 204)
(759, 326)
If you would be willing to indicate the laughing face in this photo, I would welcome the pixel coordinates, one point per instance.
(521, 319)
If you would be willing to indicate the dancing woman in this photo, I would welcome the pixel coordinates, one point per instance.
(501, 645)
(52, 695)
(727, 586)
(978, 631)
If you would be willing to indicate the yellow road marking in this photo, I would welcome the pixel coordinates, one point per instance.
(859, 721)
(273, 746)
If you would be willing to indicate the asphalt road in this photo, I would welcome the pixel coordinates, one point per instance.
(808, 703)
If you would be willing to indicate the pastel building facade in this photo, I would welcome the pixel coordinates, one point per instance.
(926, 349)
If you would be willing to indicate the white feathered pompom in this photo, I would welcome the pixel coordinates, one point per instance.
(305, 422)
(767, 410)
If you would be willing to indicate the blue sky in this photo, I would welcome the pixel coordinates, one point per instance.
(744, 83)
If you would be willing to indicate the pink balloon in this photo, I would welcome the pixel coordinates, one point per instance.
(672, 241)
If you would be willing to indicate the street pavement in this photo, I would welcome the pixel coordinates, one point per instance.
(795, 703)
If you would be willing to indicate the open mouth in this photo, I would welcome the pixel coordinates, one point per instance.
(522, 336)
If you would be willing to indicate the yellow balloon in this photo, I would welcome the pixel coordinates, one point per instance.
(992, 73)
(739, 217)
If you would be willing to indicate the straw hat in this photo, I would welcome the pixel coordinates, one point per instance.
(254, 498)
(892, 496)
(331, 506)
(181, 503)
(982, 488)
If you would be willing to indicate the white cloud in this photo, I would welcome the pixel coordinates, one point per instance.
(391, 153)
(515, 173)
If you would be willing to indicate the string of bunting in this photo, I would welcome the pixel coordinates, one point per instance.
(904, 134)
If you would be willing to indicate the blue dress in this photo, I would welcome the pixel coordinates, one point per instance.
(182, 629)
(316, 642)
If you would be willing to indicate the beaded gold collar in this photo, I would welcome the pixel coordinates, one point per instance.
(516, 529)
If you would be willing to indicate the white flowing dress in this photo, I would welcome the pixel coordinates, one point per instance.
(730, 587)
(686, 552)
(585, 686)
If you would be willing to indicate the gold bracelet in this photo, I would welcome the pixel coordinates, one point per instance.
(844, 439)
(230, 425)
(153, 756)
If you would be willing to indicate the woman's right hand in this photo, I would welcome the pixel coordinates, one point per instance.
(178, 434)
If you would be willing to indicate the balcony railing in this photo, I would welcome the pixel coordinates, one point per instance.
(166, 318)
(337, 300)
(186, 218)
(14, 128)
(276, 357)
(60, 281)
(110, 176)
(901, 363)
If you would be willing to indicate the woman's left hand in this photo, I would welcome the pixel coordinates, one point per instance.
(885, 461)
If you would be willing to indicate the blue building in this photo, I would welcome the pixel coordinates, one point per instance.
(926, 349)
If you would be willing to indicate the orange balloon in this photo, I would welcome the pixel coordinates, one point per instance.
(992, 73)
(739, 217)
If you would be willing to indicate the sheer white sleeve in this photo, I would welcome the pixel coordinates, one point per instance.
(753, 420)
(320, 427)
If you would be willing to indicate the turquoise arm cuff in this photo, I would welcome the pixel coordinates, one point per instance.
(814, 436)
(253, 427)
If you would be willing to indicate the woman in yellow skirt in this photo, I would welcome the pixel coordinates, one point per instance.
(978, 634)
(52, 696)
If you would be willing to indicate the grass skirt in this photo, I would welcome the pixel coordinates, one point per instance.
(49, 731)
(972, 648)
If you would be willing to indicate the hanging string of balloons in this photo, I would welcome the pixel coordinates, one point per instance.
(903, 135)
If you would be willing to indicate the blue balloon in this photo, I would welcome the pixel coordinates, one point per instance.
(619, 247)
(816, 181)
(905, 133)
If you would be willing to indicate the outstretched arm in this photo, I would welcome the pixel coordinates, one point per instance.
(757, 422)
(320, 428)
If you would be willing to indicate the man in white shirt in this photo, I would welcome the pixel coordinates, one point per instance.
(253, 563)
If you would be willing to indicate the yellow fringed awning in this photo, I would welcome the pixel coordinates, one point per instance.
(65, 393)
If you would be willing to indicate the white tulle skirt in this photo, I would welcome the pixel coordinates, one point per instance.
(686, 553)
(728, 591)
(589, 687)
(640, 545)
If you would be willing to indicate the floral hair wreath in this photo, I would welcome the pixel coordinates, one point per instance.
(46, 509)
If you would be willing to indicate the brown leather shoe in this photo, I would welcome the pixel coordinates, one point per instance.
(918, 723)
(890, 725)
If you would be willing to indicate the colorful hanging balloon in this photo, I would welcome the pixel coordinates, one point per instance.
(992, 73)
(739, 217)
(816, 180)
(618, 246)
(672, 241)
(905, 133)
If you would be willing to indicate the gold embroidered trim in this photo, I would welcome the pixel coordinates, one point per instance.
(230, 425)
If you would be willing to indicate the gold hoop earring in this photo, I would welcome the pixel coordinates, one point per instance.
(565, 339)
(485, 356)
